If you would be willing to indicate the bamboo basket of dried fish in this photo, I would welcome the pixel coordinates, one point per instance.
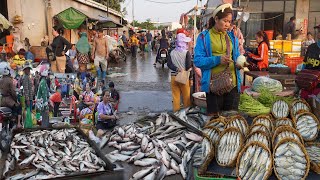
(283, 122)
(264, 119)
(290, 160)
(299, 104)
(230, 136)
(259, 136)
(218, 123)
(252, 155)
(213, 133)
(280, 109)
(298, 113)
(259, 126)
(308, 126)
(239, 122)
(286, 132)
(209, 152)
(313, 149)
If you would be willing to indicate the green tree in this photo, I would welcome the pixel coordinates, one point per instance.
(114, 4)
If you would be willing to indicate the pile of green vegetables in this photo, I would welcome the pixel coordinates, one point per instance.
(262, 104)
(251, 106)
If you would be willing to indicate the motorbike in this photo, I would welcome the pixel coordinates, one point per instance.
(164, 53)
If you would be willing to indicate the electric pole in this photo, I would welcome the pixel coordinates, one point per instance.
(133, 14)
(108, 8)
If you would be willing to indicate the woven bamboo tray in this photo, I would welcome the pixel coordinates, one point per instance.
(259, 132)
(315, 166)
(284, 122)
(268, 172)
(242, 120)
(232, 162)
(264, 119)
(299, 104)
(283, 129)
(203, 168)
(285, 140)
(314, 118)
(275, 109)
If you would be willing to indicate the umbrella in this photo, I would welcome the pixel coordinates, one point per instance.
(142, 30)
(4, 23)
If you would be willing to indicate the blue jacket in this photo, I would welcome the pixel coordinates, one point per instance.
(204, 59)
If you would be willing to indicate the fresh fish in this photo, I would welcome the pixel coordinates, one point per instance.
(104, 141)
(141, 174)
(152, 175)
(162, 172)
(146, 162)
(27, 161)
(193, 137)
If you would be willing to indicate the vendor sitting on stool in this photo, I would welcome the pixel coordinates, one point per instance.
(106, 117)
(19, 59)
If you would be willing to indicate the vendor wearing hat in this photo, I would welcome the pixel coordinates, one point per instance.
(27, 85)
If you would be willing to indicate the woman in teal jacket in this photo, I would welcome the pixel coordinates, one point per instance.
(211, 57)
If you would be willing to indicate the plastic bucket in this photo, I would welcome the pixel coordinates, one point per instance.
(269, 34)
(293, 62)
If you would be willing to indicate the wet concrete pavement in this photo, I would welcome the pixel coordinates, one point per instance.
(143, 87)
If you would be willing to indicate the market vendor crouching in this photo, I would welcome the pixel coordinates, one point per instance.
(19, 59)
(106, 117)
(87, 104)
(215, 54)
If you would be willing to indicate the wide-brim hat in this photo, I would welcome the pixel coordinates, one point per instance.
(27, 65)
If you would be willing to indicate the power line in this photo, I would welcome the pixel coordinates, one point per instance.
(172, 2)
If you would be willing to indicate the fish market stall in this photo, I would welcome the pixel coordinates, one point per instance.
(64, 153)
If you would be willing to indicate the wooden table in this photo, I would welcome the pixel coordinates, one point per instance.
(287, 80)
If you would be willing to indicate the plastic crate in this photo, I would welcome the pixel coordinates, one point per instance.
(198, 177)
(293, 62)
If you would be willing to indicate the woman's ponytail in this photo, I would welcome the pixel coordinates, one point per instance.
(265, 37)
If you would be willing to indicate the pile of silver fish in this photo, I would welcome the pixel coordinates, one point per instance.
(259, 136)
(240, 123)
(260, 127)
(265, 120)
(290, 161)
(47, 154)
(228, 146)
(314, 153)
(218, 123)
(284, 122)
(287, 132)
(163, 147)
(254, 162)
(280, 109)
(307, 125)
(213, 133)
(297, 106)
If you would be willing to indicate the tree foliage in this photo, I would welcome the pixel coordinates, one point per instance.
(114, 4)
(144, 25)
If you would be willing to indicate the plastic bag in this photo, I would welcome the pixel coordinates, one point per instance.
(75, 65)
(265, 83)
(28, 123)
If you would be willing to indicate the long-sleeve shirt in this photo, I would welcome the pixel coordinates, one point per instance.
(7, 89)
(60, 44)
(312, 57)
(263, 56)
(27, 88)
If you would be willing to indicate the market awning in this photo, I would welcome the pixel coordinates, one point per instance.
(4, 23)
(71, 18)
(107, 22)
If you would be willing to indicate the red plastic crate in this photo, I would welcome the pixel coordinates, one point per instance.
(293, 62)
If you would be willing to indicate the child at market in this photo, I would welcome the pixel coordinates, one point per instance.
(19, 59)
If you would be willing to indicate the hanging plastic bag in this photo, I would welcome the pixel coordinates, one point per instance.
(75, 65)
(28, 122)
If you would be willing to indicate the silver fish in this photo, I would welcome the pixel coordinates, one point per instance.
(141, 174)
